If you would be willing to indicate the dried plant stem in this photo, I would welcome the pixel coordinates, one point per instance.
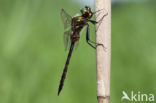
(103, 36)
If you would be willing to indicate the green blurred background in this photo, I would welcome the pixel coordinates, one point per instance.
(32, 53)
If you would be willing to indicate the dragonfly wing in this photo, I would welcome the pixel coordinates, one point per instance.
(76, 15)
(66, 18)
(76, 45)
(67, 40)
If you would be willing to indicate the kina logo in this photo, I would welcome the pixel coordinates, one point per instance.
(138, 96)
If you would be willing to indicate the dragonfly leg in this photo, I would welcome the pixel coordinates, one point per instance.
(95, 22)
(89, 41)
(100, 21)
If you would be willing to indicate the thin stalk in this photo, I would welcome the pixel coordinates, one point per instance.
(103, 55)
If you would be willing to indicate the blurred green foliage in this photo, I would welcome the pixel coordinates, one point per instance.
(133, 49)
(32, 53)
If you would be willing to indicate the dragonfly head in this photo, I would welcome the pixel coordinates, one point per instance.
(86, 12)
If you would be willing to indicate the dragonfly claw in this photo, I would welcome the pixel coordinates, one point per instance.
(98, 44)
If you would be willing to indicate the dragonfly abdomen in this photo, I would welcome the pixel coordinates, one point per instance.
(75, 37)
(65, 68)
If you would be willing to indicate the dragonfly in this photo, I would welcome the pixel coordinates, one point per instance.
(73, 27)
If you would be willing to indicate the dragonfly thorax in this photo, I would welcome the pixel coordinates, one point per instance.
(78, 23)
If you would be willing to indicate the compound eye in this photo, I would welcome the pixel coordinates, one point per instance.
(83, 10)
